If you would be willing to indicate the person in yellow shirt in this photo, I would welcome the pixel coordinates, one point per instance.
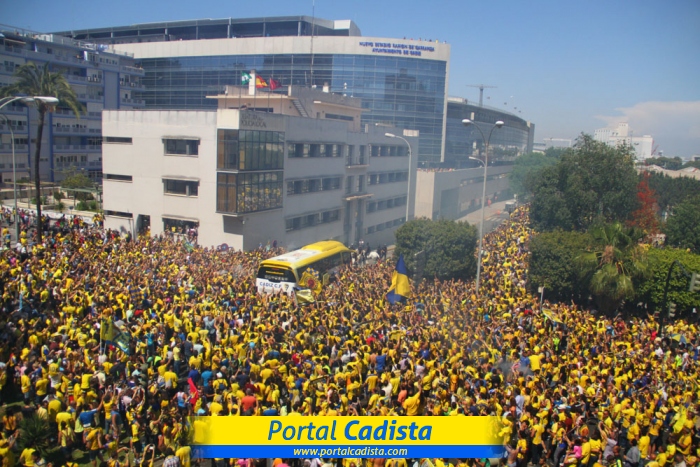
(183, 453)
(412, 404)
(93, 442)
(26, 458)
(538, 446)
(26, 385)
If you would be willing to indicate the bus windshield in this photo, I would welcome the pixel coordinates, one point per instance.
(276, 274)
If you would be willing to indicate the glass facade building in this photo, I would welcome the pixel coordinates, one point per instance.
(516, 137)
(402, 83)
(399, 91)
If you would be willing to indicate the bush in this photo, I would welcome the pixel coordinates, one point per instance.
(552, 264)
(58, 195)
(651, 289)
(87, 206)
(447, 248)
(35, 433)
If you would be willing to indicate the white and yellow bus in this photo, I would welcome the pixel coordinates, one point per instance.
(282, 273)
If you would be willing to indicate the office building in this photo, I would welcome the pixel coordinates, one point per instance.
(402, 82)
(516, 137)
(102, 78)
(620, 134)
(303, 170)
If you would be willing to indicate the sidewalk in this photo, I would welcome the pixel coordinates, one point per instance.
(53, 214)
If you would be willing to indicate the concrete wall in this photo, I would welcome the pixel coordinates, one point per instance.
(145, 161)
(452, 194)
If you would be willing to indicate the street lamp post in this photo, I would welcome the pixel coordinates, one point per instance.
(410, 168)
(498, 124)
(3, 102)
(14, 175)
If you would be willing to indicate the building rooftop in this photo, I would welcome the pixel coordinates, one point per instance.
(222, 28)
(18, 37)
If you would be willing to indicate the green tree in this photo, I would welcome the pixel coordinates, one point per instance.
(592, 183)
(34, 81)
(443, 249)
(671, 191)
(683, 226)
(78, 180)
(528, 165)
(650, 289)
(669, 163)
(612, 263)
(552, 264)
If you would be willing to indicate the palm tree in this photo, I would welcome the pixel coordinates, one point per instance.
(35, 433)
(35, 81)
(613, 261)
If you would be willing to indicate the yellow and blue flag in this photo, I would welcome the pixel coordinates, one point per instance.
(400, 288)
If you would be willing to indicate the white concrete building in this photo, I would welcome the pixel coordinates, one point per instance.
(621, 134)
(246, 177)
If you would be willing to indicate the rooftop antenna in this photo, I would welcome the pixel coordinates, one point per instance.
(480, 86)
(313, 27)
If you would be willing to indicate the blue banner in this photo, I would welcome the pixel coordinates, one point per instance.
(337, 451)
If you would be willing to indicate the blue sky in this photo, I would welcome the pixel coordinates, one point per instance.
(568, 66)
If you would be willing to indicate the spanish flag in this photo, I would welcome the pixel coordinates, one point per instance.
(400, 288)
(260, 83)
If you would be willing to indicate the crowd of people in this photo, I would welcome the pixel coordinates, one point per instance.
(570, 387)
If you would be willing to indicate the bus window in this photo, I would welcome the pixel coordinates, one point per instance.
(276, 274)
(347, 259)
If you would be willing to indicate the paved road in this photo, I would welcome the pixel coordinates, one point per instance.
(494, 215)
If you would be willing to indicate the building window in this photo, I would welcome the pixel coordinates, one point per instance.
(117, 140)
(302, 150)
(181, 147)
(250, 150)
(127, 215)
(387, 177)
(298, 187)
(346, 118)
(310, 220)
(119, 178)
(388, 151)
(250, 192)
(179, 226)
(180, 187)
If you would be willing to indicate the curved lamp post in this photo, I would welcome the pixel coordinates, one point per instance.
(27, 100)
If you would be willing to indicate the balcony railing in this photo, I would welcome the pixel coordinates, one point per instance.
(75, 78)
(77, 147)
(134, 70)
(356, 162)
(68, 129)
(8, 147)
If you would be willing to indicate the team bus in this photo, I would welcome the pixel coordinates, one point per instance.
(282, 273)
